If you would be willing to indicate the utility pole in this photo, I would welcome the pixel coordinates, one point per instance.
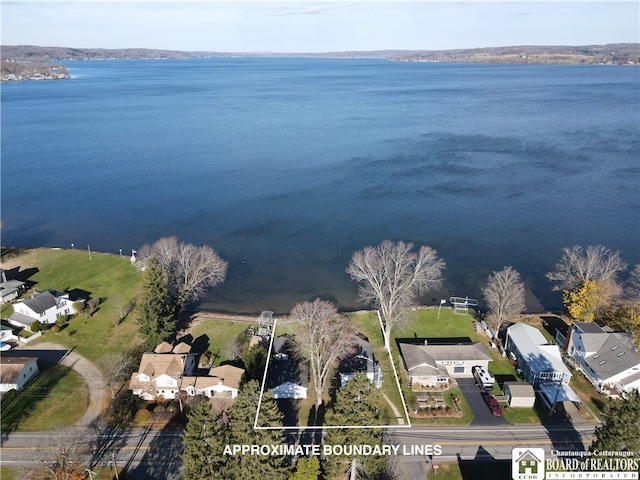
(89, 248)
(115, 469)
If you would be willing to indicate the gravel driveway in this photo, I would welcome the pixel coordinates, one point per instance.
(54, 353)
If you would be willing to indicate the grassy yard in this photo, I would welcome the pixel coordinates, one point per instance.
(108, 277)
(58, 396)
(217, 336)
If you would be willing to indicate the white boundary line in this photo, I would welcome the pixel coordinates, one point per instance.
(264, 375)
(395, 374)
(326, 427)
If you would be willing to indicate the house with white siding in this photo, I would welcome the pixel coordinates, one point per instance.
(608, 359)
(16, 372)
(43, 307)
(430, 364)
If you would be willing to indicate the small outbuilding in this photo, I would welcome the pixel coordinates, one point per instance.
(519, 394)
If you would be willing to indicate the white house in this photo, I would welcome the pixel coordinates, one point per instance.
(16, 372)
(222, 382)
(540, 363)
(44, 307)
(160, 375)
(434, 365)
(6, 334)
(608, 359)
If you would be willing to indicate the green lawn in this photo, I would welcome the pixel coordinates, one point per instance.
(58, 396)
(108, 277)
(216, 336)
(445, 471)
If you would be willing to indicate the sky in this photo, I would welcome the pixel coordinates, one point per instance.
(316, 26)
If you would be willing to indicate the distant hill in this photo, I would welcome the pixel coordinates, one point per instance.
(610, 54)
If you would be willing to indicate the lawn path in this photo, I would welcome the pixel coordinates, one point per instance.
(89, 373)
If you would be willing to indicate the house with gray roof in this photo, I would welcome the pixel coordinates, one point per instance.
(44, 307)
(430, 364)
(608, 359)
(540, 363)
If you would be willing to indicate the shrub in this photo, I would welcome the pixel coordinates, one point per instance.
(142, 416)
(36, 326)
(159, 409)
(55, 328)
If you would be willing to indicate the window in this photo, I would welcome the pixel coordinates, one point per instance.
(458, 369)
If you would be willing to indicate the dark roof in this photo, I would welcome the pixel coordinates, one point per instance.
(41, 302)
(360, 360)
(294, 369)
(588, 327)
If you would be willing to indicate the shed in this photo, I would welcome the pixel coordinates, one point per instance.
(519, 394)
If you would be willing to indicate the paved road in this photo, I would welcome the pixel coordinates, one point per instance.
(152, 454)
(483, 443)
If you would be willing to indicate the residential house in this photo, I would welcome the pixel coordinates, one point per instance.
(288, 373)
(608, 359)
(16, 372)
(44, 307)
(6, 334)
(170, 369)
(160, 374)
(360, 360)
(10, 290)
(540, 363)
(519, 394)
(430, 364)
(222, 382)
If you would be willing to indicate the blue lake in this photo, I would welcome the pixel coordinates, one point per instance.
(287, 166)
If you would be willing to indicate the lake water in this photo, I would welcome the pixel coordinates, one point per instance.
(287, 166)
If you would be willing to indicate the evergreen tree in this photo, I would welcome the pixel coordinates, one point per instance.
(357, 404)
(621, 429)
(255, 359)
(204, 439)
(156, 319)
(241, 420)
(307, 469)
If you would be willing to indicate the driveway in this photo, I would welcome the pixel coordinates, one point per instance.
(480, 411)
(52, 353)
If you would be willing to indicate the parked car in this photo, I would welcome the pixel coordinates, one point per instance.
(4, 347)
(493, 405)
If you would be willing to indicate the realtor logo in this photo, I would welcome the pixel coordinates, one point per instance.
(527, 464)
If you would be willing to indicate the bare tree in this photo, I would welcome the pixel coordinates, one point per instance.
(122, 306)
(631, 293)
(324, 339)
(504, 295)
(190, 270)
(392, 276)
(115, 368)
(61, 457)
(593, 263)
